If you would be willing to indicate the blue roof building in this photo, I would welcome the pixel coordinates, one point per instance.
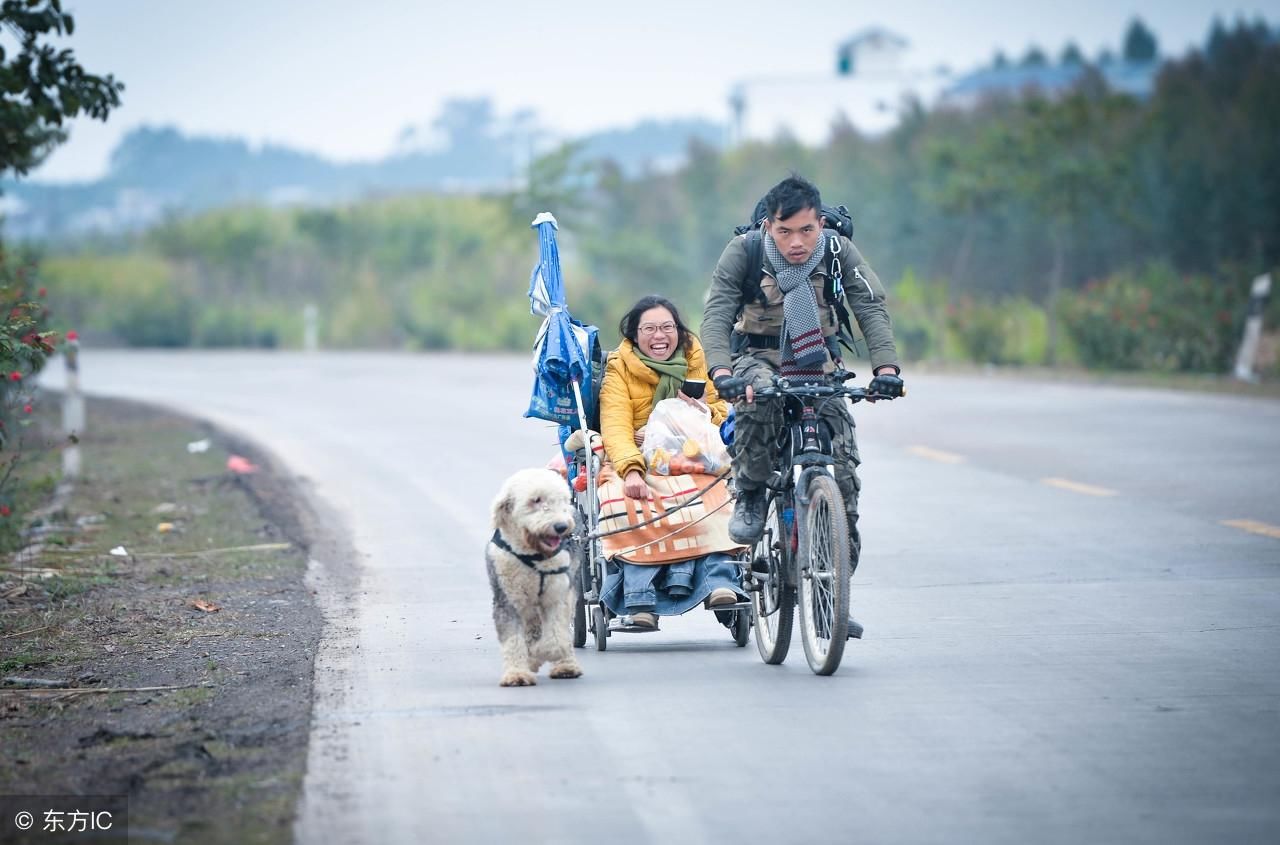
(1134, 78)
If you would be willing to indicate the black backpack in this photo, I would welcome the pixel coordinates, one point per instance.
(836, 221)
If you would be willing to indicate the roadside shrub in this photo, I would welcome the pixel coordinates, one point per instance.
(918, 309)
(25, 346)
(89, 289)
(1156, 319)
(161, 318)
(234, 327)
(979, 329)
(1026, 333)
(1008, 331)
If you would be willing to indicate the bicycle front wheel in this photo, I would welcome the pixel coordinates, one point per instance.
(824, 574)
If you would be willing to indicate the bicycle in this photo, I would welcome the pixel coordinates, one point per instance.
(803, 557)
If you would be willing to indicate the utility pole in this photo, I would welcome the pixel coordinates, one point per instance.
(1258, 295)
(72, 408)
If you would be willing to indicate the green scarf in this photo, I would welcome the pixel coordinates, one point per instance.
(671, 373)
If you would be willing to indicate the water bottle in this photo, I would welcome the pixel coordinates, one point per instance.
(726, 429)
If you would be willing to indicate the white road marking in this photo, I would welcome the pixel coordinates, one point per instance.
(1078, 487)
(1254, 527)
(936, 455)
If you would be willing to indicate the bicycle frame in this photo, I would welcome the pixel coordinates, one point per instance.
(803, 446)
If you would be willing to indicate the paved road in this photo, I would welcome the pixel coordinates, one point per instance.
(1066, 642)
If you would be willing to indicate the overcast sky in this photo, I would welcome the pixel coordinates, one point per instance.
(343, 78)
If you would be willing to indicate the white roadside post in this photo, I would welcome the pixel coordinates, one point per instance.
(72, 409)
(1253, 328)
(310, 328)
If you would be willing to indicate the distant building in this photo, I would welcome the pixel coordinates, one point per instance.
(872, 51)
(871, 83)
(1135, 78)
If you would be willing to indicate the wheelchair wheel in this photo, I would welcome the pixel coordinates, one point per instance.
(773, 605)
(583, 581)
(600, 627)
(824, 575)
(579, 622)
(741, 627)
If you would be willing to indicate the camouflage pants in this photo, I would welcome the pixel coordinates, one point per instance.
(755, 438)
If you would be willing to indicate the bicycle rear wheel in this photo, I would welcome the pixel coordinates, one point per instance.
(773, 605)
(824, 575)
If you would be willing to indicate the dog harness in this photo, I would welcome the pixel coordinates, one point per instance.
(531, 561)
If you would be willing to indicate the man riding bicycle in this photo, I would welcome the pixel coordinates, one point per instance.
(790, 326)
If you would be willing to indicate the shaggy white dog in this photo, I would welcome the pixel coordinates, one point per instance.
(530, 573)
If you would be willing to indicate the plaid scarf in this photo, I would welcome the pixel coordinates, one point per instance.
(803, 349)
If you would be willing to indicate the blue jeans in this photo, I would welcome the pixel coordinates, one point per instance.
(669, 589)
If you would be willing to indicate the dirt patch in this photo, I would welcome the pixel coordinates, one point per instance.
(209, 597)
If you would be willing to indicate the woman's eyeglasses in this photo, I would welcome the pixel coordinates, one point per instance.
(654, 328)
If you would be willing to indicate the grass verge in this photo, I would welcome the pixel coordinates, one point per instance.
(204, 593)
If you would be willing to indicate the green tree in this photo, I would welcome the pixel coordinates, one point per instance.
(43, 86)
(964, 179)
(554, 182)
(1056, 158)
(1071, 55)
(1140, 43)
(1034, 57)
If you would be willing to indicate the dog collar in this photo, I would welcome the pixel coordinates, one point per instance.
(531, 561)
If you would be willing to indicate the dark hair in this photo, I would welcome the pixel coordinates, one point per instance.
(792, 195)
(630, 323)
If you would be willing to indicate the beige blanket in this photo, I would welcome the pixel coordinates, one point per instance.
(700, 529)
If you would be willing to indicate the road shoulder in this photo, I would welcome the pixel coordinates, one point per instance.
(206, 622)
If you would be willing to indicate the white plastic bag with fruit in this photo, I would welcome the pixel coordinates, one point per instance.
(680, 439)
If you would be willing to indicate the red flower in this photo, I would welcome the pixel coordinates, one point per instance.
(73, 336)
(15, 313)
(42, 293)
(26, 409)
(15, 376)
(4, 510)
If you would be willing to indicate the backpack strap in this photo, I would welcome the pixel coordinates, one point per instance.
(752, 292)
(835, 292)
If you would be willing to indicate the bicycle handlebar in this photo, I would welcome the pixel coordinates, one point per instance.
(782, 388)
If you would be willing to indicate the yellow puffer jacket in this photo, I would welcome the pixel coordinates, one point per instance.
(626, 398)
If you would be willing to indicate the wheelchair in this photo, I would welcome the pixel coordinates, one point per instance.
(589, 567)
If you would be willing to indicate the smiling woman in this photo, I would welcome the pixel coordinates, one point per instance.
(657, 357)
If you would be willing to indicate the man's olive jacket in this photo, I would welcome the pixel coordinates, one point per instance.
(863, 293)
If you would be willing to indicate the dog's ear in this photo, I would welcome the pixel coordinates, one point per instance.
(503, 507)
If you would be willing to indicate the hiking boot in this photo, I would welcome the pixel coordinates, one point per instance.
(747, 525)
